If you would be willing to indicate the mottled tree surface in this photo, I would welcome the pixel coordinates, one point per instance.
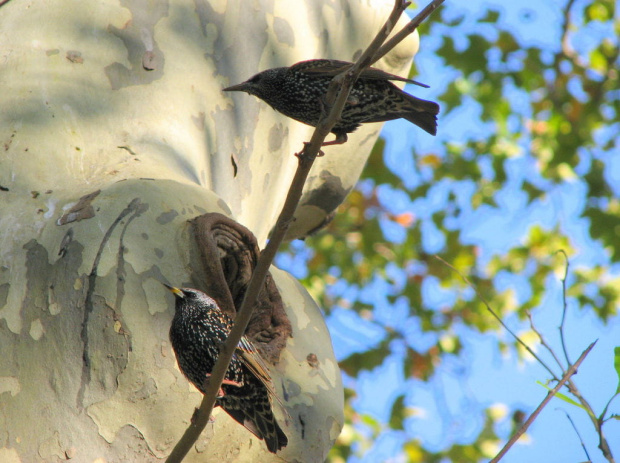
(115, 134)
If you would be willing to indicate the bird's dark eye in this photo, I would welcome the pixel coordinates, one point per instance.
(255, 79)
(189, 294)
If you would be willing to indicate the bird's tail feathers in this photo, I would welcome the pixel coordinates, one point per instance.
(422, 113)
(426, 121)
(258, 418)
(421, 105)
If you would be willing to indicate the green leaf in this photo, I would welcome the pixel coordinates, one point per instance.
(399, 413)
(491, 17)
(564, 397)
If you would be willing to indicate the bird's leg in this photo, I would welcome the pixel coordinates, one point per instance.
(230, 382)
(227, 382)
(340, 139)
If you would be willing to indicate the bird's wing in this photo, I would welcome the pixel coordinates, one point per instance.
(333, 67)
(251, 358)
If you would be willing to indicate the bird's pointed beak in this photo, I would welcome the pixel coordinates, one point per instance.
(176, 291)
(242, 87)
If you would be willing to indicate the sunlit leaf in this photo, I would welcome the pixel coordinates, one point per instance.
(563, 397)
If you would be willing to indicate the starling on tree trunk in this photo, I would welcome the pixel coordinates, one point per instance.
(198, 328)
(299, 92)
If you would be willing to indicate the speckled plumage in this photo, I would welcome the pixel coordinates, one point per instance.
(298, 92)
(197, 329)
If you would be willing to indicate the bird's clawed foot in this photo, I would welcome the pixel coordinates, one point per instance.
(340, 139)
(301, 154)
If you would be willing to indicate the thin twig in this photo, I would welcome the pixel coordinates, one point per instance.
(545, 344)
(583, 445)
(607, 407)
(497, 317)
(564, 306)
(338, 92)
(571, 371)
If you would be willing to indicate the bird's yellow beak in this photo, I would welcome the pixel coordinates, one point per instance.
(176, 291)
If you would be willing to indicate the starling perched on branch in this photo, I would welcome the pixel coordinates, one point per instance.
(299, 92)
(198, 328)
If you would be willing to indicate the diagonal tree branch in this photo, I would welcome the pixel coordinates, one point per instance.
(405, 31)
(337, 95)
(571, 371)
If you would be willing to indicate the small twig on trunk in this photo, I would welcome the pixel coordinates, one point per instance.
(571, 371)
(337, 94)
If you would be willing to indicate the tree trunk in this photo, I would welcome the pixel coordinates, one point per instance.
(114, 134)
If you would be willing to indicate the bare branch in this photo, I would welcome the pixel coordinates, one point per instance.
(571, 371)
(405, 31)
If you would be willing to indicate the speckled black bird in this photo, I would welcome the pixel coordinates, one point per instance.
(198, 328)
(299, 92)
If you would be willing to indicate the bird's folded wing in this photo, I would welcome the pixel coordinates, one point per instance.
(252, 359)
(333, 67)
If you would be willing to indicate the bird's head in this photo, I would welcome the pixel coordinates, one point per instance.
(191, 298)
(263, 85)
